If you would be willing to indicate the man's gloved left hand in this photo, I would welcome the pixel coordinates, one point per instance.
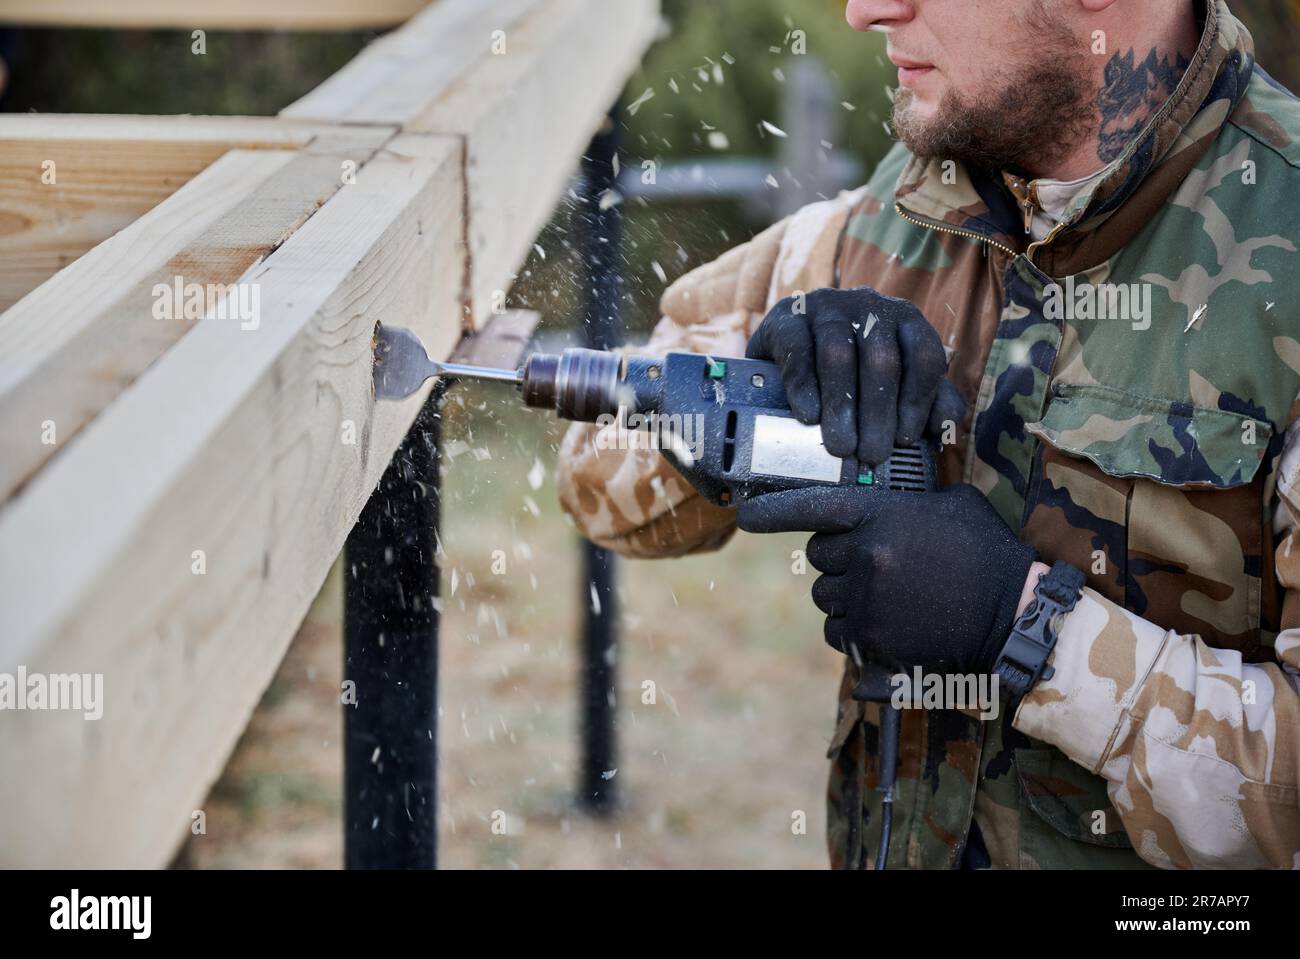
(911, 579)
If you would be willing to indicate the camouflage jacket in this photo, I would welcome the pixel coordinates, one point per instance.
(1157, 451)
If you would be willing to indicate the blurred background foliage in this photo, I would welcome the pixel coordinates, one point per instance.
(155, 71)
(758, 37)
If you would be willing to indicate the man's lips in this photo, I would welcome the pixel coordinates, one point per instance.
(909, 71)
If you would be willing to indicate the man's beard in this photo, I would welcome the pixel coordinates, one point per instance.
(1029, 119)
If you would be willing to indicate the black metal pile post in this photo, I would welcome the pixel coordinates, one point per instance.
(601, 233)
(390, 735)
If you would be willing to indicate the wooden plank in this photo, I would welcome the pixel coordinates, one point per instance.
(210, 14)
(235, 443)
(75, 343)
(501, 342)
(69, 182)
(518, 158)
(397, 76)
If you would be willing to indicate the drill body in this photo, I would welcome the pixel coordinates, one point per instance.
(725, 424)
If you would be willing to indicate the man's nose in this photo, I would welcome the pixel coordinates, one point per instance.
(875, 14)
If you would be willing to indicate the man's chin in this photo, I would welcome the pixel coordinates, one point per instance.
(905, 99)
(914, 119)
(917, 115)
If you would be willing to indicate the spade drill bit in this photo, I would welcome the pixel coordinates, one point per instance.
(402, 365)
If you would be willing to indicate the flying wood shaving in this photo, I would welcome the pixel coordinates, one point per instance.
(636, 104)
(537, 474)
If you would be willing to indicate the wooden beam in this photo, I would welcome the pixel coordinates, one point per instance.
(75, 343)
(210, 14)
(397, 76)
(504, 105)
(257, 449)
(518, 159)
(68, 182)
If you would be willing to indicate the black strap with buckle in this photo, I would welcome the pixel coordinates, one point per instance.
(1023, 660)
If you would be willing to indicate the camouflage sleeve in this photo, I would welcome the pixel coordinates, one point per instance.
(631, 500)
(1200, 749)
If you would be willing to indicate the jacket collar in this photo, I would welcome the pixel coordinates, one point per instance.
(1215, 81)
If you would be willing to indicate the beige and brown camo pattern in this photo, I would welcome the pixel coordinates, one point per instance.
(1164, 462)
(1198, 747)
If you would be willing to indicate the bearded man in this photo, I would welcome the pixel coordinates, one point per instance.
(1115, 539)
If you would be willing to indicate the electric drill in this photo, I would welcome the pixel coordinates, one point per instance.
(747, 442)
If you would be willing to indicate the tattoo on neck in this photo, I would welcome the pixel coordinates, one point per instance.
(1131, 90)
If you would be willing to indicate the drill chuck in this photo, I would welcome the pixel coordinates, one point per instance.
(577, 384)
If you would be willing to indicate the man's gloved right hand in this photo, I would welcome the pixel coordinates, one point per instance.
(910, 579)
(868, 367)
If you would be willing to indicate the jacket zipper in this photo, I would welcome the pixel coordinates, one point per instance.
(1026, 199)
(1029, 253)
(942, 228)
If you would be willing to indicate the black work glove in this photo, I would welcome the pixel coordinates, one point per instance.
(868, 367)
(911, 579)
